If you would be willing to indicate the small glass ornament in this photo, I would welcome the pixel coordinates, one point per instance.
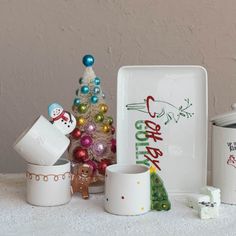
(94, 99)
(103, 108)
(88, 60)
(99, 148)
(84, 89)
(97, 81)
(99, 118)
(106, 128)
(82, 108)
(90, 128)
(86, 141)
(76, 101)
(96, 90)
(81, 121)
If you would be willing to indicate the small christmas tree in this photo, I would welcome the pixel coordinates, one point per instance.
(159, 196)
(92, 141)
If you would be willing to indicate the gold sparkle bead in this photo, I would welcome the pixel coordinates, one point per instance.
(99, 118)
(106, 128)
(80, 121)
(103, 108)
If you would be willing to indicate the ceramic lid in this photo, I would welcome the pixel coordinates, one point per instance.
(225, 119)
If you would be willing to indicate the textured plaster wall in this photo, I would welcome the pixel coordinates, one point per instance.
(42, 42)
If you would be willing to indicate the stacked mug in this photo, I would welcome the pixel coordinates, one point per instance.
(48, 178)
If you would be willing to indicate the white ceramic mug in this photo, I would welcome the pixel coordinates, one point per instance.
(127, 189)
(224, 162)
(42, 143)
(48, 185)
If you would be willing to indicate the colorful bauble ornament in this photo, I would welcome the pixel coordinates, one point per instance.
(113, 148)
(76, 133)
(90, 128)
(80, 80)
(99, 118)
(102, 165)
(92, 164)
(82, 108)
(76, 101)
(94, 99)
(80, 154)
(103, 108)
(109, 120)
(106, 128)
(96, 90)
(97, 81)
(99, 148)
(88, 60)
(81, 121)
(86, 141)
(84, 89)
(113, 130)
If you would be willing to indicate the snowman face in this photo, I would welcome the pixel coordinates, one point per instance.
(56, 112)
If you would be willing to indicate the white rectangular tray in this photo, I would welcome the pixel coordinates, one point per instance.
(177, 118)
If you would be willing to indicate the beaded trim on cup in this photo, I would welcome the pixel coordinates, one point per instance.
(45, 178)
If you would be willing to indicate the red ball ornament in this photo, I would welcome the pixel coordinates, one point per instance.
(113, 148)
(76, 133)
(113, 130)
(80, 154)
(102, 165)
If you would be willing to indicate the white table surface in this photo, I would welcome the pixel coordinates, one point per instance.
(87, 217)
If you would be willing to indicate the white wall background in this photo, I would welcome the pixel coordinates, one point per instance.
(42, 42)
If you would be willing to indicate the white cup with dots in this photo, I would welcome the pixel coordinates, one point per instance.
(127, 189)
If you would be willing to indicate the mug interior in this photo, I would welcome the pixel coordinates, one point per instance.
(25, 131)
(127, 169)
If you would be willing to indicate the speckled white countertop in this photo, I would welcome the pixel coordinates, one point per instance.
(87, 217)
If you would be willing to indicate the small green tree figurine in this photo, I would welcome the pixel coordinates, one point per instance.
(159, 196)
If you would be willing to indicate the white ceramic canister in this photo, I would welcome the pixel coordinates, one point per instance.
(48, 185)
(127, 189)
(224, 155)
(42, 143)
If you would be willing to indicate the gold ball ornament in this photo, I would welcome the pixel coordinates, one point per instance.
(106, 128)
(80, 121)
(99, 118)
(103, 108)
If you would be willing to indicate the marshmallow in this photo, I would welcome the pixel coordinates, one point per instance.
(208, 210)
(194, 199)
(213, 193)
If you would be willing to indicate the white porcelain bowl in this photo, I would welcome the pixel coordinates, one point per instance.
(48, 185)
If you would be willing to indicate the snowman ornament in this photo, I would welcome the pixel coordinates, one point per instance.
(62, 120)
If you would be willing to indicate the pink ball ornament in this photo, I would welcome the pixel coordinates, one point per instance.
(92, 164)
(86, 141)
(99, 148)
(90, 127)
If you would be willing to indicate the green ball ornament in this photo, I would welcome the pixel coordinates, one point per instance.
(99, 118)
(94, 99)
(82, 108)
(80, 80)
(76, 101)
(84, 89)
(109, 120)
